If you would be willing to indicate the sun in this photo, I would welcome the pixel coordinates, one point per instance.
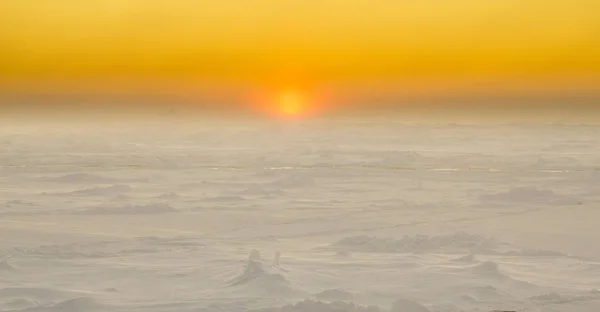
(290, 103)
(286, 103)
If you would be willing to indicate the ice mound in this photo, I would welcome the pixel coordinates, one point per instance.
(552, 296)
(261, 191)
(226, 198)
(82, 304)
(318, 306)
(487, 268)
(401, 305)
(467, 258)
(19, 202)
(276, 259)
(170, 195)
(5, 266)
(543, 162)
(530, 194)
(176, 241)
(34, 294)
(536, 253)
(343, 254)
(486, 293)
(334, 295)
(257, 272)
(461, 241)
(406, 305)
(293, 181)
(20, 304)
(103, 190)
(556, 298)
(156, 208)
(399, 158)
(119, 248)
(79, 178)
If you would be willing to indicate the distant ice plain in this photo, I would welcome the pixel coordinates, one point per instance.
(161, 216)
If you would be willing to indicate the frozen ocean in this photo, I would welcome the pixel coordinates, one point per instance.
(346, 214)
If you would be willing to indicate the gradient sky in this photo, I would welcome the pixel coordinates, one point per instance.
(363, 46)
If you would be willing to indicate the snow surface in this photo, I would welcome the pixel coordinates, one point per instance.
(320, 215)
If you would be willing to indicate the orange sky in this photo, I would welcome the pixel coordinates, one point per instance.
(368, 46)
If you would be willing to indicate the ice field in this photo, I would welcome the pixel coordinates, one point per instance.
(367, 215)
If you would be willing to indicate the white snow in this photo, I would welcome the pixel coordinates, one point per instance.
(317, 215)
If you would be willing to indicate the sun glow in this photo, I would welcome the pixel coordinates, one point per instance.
(290, 103)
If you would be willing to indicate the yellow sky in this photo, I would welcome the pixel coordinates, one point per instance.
(321, 41)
